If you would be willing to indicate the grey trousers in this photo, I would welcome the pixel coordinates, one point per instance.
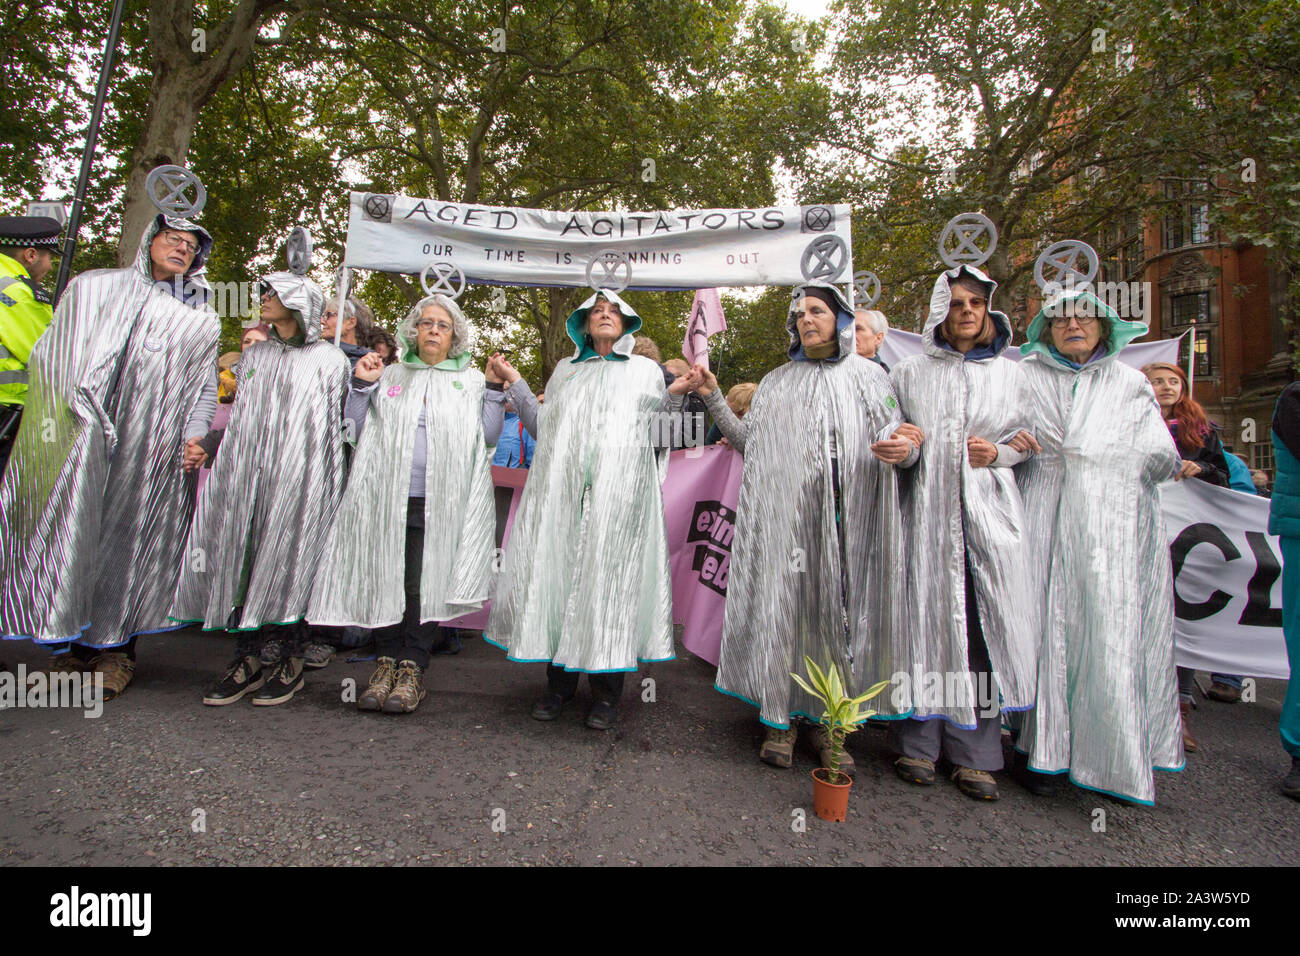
(979, 749)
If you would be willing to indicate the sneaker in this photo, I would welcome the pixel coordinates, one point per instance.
(1224, 693)
(778, 746)
(285, 681)
(270, 655)
(549, 706)
(408, 689)
(317, 655)
(244, 676)
(819, 739)
(601, 715)
(976, 784)
(915, 770)
(381, 685)
(118, 670)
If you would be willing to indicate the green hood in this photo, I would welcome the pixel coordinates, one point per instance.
(1122, 331)
(578, 320)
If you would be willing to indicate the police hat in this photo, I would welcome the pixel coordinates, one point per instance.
(29, 232)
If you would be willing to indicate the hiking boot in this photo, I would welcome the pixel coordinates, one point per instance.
(1291, 783)
(117, 668)
(820, 741)
(317, 655)
(245, 675)
(601, 715)
(915, 770)
(1189, 742)
(549, 705)
(1224, 693)
(285, 681)
(976, 784)
(270, 653)
(381, 685)
(778, 746)
(408, 689)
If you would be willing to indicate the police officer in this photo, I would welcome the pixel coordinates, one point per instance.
(28, 245)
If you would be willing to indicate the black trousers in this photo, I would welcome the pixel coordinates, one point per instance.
(607, 688)
(410, 640)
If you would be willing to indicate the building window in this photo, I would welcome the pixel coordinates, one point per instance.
(1203, 364)
(1189, 308)
(1261, 456)
(1187, 221)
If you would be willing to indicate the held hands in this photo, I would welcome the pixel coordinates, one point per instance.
(500, 370)
(980, 452)
(1024, 442)
(369, 367)
(704, 380)
(910, 432)
(194, 456)
(892, 450)
(1190, 469)
(690, 382)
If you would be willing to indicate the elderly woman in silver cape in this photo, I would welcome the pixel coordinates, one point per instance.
(95, 503)
(1101, 599)
(584, 585)
(414, 540)
(814, 569)
(277, 480)
(973, 651)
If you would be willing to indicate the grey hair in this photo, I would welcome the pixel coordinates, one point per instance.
(875, 319)
(460, 338)
(349, 312)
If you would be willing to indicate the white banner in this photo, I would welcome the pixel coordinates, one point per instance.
(1227, 581)
(898, 345)
(682, 249)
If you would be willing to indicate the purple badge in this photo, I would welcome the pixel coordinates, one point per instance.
(394, 391)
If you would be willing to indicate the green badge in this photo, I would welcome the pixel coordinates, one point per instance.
(891, 401)
(458, 385)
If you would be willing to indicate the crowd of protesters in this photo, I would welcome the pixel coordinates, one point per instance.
(994, 522)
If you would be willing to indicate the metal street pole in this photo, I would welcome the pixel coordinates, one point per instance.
(88, 157)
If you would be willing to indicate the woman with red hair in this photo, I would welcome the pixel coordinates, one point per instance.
(1197, 440)
(1202, 453)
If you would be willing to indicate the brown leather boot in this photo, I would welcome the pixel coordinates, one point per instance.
(1189, 742)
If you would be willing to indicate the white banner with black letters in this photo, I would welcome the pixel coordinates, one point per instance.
(1227, 581)
(682, 249)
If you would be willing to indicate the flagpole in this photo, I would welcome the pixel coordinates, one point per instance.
(87, 157)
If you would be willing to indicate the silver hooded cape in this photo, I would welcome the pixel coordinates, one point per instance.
(584, 583)
(799, 584)
(277, 479)
(360, 581)
(94, 505)
(1102, 597)
(956, 514)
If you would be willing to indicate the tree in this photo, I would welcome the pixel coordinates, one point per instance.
(562, 108)
(1041, 115)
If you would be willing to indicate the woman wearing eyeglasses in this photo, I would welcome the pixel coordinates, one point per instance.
(414, 539)
(1102, 600)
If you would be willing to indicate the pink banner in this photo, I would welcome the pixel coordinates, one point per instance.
(700, 497)
(509, 484)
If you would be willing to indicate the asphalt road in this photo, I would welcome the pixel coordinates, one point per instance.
(471, 779)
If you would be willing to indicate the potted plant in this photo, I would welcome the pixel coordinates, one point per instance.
(842, 716)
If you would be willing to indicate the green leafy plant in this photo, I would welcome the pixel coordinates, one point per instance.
(843, 713)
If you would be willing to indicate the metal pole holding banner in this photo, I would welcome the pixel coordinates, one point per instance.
(345, 276)
(1191, 361)
(92, 137)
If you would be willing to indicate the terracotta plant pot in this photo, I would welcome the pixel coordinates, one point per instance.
(830, 800)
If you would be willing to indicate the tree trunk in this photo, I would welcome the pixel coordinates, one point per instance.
(164, 140)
